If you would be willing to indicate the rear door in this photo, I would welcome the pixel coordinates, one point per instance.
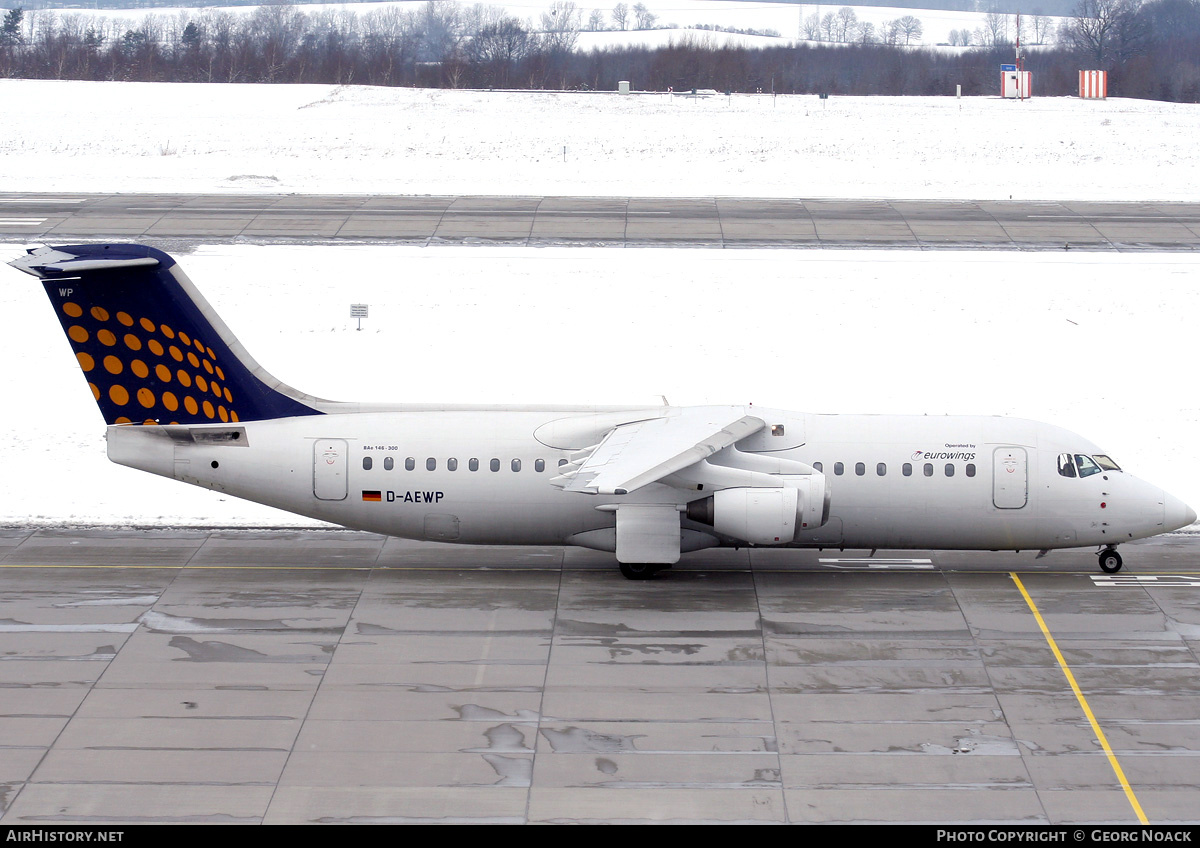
(329, 469)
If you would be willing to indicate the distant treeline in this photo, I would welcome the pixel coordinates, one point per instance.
(1151, 50)
(1044, 7)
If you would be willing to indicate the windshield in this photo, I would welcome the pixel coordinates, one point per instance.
(1082, 465)
(1105, 462)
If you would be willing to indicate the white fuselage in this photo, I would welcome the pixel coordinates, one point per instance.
(481, 476)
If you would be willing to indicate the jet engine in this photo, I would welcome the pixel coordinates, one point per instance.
(766, 516)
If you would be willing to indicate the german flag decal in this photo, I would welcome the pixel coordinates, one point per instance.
(372, 496)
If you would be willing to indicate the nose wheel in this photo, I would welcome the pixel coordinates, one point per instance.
(1110, 561)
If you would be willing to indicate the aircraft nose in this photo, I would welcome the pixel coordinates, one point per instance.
(1176, 513)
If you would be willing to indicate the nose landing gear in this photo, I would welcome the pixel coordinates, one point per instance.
(1110, 561)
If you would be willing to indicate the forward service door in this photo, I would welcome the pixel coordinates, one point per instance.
(1010, 478)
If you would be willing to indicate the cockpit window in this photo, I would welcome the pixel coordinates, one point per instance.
(1105, 462)
(1087, 466)
(1066, 465)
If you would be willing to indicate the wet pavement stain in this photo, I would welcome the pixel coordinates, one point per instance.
(213, 651)
(474, 712)
(502, 739)
(159, 622)
(513, 771)
(362, 628)
(577, 740)
(572, 627)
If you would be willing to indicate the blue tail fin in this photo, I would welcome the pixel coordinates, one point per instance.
(151, 348)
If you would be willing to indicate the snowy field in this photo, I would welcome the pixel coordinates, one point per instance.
(156, 137)
(1101, 344)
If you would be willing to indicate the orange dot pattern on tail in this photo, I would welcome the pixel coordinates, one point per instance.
(146, 369)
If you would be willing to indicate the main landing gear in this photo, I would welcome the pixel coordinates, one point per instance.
(640, 570)
(1110, 561)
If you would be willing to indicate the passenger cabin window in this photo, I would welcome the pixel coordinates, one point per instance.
(539, 465)
(388, 463)
(561, 463)
(839, 469)
(819, 467)
(1086, 465)
(906, 469)
(473, 464)
(860, 468)
(881, 469)
(516, 465)
(928, 469)
(494, 465)
(451, 464)
(367, 463)
(1066, 465)
(949, 469)
(409, 464)
(970, 469)
(431, 464)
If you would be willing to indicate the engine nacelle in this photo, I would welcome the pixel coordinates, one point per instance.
(766, 516)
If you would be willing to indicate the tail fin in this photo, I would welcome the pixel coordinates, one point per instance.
(151, 348)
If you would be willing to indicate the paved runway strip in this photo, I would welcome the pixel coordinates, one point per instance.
(308, 676)
(611, 221)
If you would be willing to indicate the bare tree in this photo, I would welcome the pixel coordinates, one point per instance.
(505, 41)
(812, 27)
(560, 26)
(844, 22)
(910, 28)
(596, 21)
(1041, 28)
(995, 28)
(890, 34)
(441, 29)
(1107, 31)
(643, 17)
(828, 27)
(278, 29)
(620, 16)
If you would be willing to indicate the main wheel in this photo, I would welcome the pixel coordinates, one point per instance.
(1110, 561)
(639, 570)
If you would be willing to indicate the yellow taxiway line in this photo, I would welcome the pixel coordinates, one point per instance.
(1108, 751)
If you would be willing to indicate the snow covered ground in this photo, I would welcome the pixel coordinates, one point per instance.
(1101, 344)
(148, 137)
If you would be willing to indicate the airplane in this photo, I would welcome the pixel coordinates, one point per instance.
(183, 399)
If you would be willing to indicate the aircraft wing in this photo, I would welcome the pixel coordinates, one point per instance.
(634, 455)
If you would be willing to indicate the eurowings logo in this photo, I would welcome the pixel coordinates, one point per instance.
(949, 452)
